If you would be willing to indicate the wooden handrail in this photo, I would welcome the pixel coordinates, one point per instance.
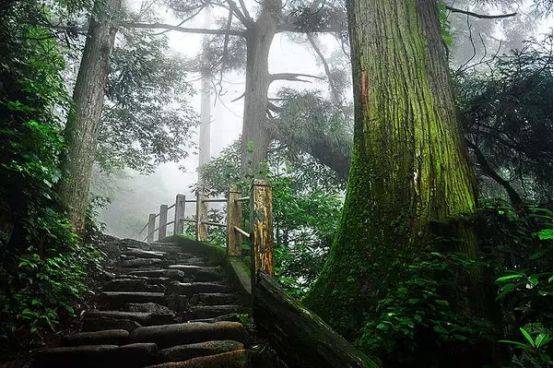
(214, 224)
(244, 233)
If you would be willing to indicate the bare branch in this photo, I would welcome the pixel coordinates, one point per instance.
(334, 92)
(234, 32)
(295, 77)
(476, 15)
(238, 98)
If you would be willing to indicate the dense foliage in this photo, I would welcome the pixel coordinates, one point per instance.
(306, 207)
(43, 266)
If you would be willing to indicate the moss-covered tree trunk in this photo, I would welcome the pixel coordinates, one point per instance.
(409, 164)
(81, 131)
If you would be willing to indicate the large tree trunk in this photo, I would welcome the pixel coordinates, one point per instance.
(88, 98)
(256, 136)
(409, 164)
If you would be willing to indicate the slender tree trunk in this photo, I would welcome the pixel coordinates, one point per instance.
(88, 98)
(256, 136)
(409, 164)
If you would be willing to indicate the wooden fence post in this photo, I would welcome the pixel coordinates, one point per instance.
(201, 229)
(163, 222)
(262, 228)
(234, 218)
(178, 225)
(151, 227)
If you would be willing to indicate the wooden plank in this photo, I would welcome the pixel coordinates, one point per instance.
(300, 337)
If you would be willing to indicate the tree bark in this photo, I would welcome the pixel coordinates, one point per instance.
(256, 136)
(409, 168)
(88, 98)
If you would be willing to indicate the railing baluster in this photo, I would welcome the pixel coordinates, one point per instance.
(201, 229)
(234, 219)
(262, 228)
(178, 225)
(151, 227)
(163, 222)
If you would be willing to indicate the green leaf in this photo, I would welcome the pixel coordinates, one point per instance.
(545, 234)
(507, 278)
(527, 336)
(515, 343)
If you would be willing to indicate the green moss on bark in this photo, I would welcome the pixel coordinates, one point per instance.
(409, 164)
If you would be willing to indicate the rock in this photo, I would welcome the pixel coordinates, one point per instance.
(184, 352)
(188, 333)
(105, 337)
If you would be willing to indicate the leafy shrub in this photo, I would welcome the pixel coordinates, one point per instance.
(43, 264)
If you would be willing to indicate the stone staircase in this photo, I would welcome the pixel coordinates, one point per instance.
(163, 306)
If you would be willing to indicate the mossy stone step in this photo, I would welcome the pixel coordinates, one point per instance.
(232, 359)
(188, 333)
(184, 352)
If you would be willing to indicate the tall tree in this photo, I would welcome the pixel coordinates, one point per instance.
(409, 166)
(81, 131)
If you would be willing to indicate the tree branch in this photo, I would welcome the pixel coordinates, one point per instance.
(515, 198)
(292, 77)
(234, 32)
(335, 94)
(476, 15)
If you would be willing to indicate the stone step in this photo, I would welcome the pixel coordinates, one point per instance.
(143, 318)
(213, 299)
(232, 359)
(169, 273)
(106, 337)
(92, 324)
(188, 333)
(96, 356)
(133, 285)
(190, 351)
(191, 288)
(140, 262)
(231, 317)
(141, 253)
(200, 273)
(120, 298)
(211, 311)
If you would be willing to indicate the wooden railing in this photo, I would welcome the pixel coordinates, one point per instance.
(301, 337)
(261, 222)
